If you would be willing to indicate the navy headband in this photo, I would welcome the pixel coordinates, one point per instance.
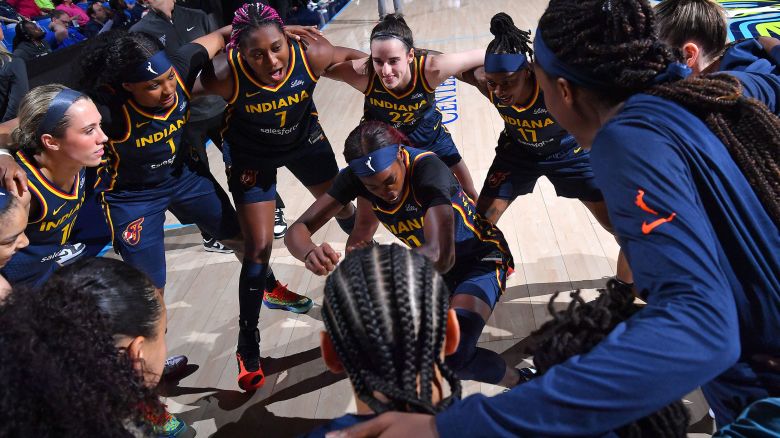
(375, 162)
(149, 69)
(5, 199)
(56, 111)
(387, 35)
(555, 67)
(504, 62)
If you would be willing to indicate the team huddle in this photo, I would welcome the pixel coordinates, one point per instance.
(610, 100)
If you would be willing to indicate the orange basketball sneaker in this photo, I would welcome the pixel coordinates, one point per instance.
(250, 374)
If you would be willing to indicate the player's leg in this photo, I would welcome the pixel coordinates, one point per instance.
(199, 199)
(138, 236)
(599, 211)
(571, 174)
(253, 191)
(503, 184)
(473, 300)
(315, 167)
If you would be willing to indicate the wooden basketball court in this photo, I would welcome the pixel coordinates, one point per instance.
(557, 245)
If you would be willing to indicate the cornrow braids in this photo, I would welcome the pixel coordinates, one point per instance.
(615, 40)
(385, 310)
(508, 38)
(579, 328)
(252, 16)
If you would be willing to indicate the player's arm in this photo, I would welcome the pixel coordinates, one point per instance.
(366, 223)
(321, 259)
(351, 72)
(687, 334)
(439, 232)
(216, 78)
(12, 176)
(215, 41)
(769, 44)
(433, 186)
(439, 67)
(475, 77)
(336, 62)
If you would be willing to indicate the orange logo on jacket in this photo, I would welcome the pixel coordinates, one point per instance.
(647, 228)
(132, 234)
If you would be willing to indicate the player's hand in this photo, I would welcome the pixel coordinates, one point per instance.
(391, 425)
(13, 177)
(299, 33)
(322, 259)
(360, 245)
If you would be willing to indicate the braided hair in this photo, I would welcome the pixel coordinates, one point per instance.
(59, 358)
(385, 310)
(252, 16)
(581, 327)
(508, 38)
(616, 40)
(107, 56)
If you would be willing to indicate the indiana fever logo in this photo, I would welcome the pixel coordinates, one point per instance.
(248, 178)
(132, 234)
(496, 178)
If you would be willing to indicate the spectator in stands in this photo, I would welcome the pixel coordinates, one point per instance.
(73, 10)
(123, 16)
(98, 20)
(45, 5)
(13, 82)
(26, 8)
(8, 14)
(64, 33)
(30, 41)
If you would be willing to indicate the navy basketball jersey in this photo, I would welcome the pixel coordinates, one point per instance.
(414, 112)
(475, 237)
(145, 156)
(263, 119)
(531, 128)
(49, 229)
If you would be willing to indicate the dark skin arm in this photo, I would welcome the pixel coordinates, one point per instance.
(439, 232)
(12, 176)
(319, 259)
(322, 55)
(475, 77)
(366, 224)
(769, 43)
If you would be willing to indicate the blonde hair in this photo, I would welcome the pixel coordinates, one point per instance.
(32, 111)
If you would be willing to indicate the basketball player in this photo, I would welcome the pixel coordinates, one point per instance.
(689, 176)
(268, 81)
(399, 80)
(14, 213)
(532, 143)
(414, 195)
(699, 28)
(58, 135)
(144, 96)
